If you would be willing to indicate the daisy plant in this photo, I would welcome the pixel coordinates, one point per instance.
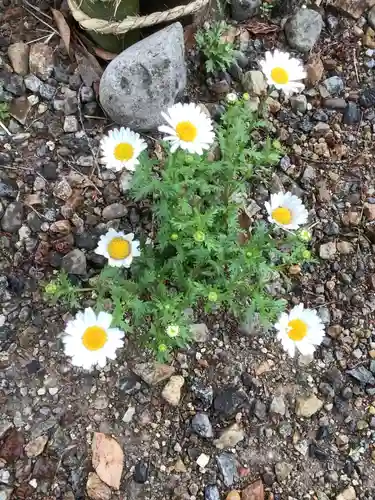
(200, 255)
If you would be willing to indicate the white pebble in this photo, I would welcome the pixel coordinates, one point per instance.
(203, 460)
(53, 390)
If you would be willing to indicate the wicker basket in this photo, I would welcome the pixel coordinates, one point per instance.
(116, 29)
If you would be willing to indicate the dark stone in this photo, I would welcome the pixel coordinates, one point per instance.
(129, 384)
(372, 366)
(227, 465)
(86, 240)
(335, 103)
(228, 401)
(322, 433)
(201, 425)
(14, 84)
(347, 393)
(269, 478)
(349, 468)
(7, 190)
(327, 390)
(235, 71)
(211, 493)
(335, 378)
(352, 113)
(305, 124)
(33, 366)
(362, 375)
(5, 159)
(316, 452)
(12, 218)
(49, 171)
(331, 228)
(320, 116)
(97, 261)
(367, 98)
(204, 394)
(54, 259)
(260, 410)
(75, 81)
(16, 285)
(141, 472)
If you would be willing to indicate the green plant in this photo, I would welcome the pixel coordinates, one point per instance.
(218, 53)
(267, 7)
(4, 111)
(199, 256)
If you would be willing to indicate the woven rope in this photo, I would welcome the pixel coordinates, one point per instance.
(132, 22)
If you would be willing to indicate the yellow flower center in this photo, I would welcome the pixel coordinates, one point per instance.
(124, 151)
(94, 338)
(280, 76)
(282, 215)
(297, 329)
(186, 131)
(118, 248)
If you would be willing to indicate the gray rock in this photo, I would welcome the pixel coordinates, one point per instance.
(299, 103)
(145, 79)
(12, 218)
(114, 211)
(352, 114)
(362, 375)
(70, 124)
(7, 191)
(201, 425)
(62, 190)
(282, 470)
(87, 94)
(5, 493)
(47, 91)
(278, 405)
(243, 9)
(308, 406)
(204, 394)
(335, 103)
(41, 60)
(19, 57)
(230, 437)
(227, 465)
(14, 84)
(328, 250)
(70, 105)
(260, 410)
(371, 17)
(334, 85)
(211, 493)
(303, 29)
(254, 82)
(74, 262)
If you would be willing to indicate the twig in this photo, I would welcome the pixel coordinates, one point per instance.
(37, 9)
(355, 64)
(41, 20)
(95, 117)
(26, 169)
(96, 165)
(80, 173)
(5, 128)
(36, 211)
(42, 38)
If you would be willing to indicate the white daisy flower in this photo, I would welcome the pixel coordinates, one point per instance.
(119, 248)
(283, 72)
(90, 340)
(188, 128)
(121, 148)
(173, 331)
(301, 329)
(231, 97)
(286, 210)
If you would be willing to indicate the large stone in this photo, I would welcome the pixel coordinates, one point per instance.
(19, 57)
(12, 218)
(172, 391)
(145, 79)
(303, 29)
(243, 9)
(41, 60)
(354, 8)
(74, 262)
(307, 407)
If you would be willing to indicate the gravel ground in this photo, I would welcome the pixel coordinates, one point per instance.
(247, 416)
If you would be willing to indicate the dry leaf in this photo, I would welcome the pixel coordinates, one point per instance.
(88, 67)
(230, 34)
(107, 459)
(104, 54)
(258, 28)
(63, 28)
